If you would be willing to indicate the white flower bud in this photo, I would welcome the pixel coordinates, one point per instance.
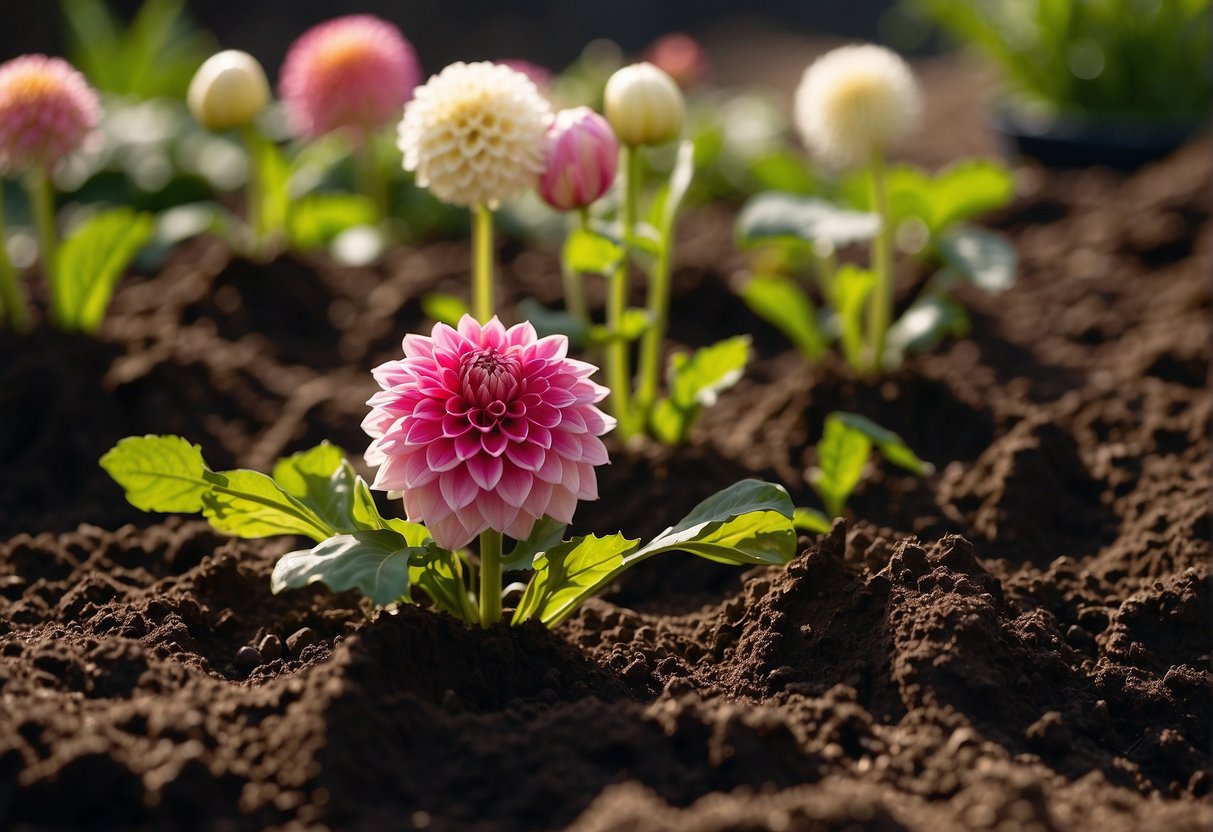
(856, 100)
(644, 105)
(228, 90)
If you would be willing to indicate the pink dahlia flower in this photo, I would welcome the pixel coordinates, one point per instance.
(47, 110)
(354, 72)
(484, 427)
(681, 56)
(582, 155)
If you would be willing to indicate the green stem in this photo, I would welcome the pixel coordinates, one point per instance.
(482, 273)
(42, 198)
(11, 302)
(490, 578)
(255, 191)
(825, 266)
(619, 377)
(367, 177)
(659, 320)
(574, 283)
(880, 304)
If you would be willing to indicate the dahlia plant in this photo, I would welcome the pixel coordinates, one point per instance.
(47, 112)
(852, 106)
(483, 432)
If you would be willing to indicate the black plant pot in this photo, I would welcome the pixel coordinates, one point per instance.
(1068, 141)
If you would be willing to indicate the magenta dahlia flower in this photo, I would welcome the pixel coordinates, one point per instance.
(47, 110)
(354, 72)
(483, 427)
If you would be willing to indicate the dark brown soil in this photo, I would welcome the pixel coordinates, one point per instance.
(1020, 642)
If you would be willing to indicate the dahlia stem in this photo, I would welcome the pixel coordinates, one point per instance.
(42, 198)
(367, 178)
(482, 275)
(11, 302)
(659, 320)
(619, 377)
(255, 192)
(880, 304)
(490, 578)
(574, 283)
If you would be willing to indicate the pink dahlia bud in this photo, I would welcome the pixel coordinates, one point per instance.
(582, 155)
(354, 72)
(47, 110)
(681, 56)
(486, 428)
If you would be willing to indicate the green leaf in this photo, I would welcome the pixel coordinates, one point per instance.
(697, 380)
(775, 216)
(967, 188)
(439, 574)
(929, 320)
(91, 261)
(670, 424)
(273, 178)
(569, 574)
(785, 171)
(444, 308)
(782, 302)
(554, 322)
(670, 199)
(323, 481)
(588, 252)
(317, 219)
(545, 534)
(634, 324)
(851, 288)
(842, 454)
(376, 563)
(249, 504)
(811, 520)
(890, 444)
(747, 523)
(985, 259)
(158, 473)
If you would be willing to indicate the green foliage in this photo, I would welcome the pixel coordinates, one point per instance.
(842, 454)
(695, 381)
(317, 219)
(376, 563)
(749, 523)
(90, 263)
(776, 216)
(588, 252)
(444, 308)
(155, 55)
(982, 258)
(1138, 57)
(811, 520)
(561, 322)
(783, 302)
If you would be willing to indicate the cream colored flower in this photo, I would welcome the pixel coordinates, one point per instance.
(855, 100)
(474, 133)
(228, 90)
(644, 105)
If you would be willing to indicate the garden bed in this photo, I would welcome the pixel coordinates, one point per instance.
(1020, 641)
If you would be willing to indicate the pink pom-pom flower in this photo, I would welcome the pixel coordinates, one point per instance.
(582, 156)
(682, 58)
(354, 73)
(483, 427)
(47, 110)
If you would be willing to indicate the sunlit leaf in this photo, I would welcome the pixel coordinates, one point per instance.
(775, 216)
(251, 505)
(90, 262)
(570, 573)
(158, 473)
(811, 520)
(376, 563)
(783, 302)
(545, 534)
(851, 287)
(444, 308)
(317, 219)
(842, 454)
(588, 252)
(929, 320)
(985, 259)
(439, 574)
(892, 446)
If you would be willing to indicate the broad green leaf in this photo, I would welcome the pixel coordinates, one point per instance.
(323, 481)
(251, 505)
(670, 424)
(892, 446)
(444, 308)
(783, 302)
(545, 534)
(634, 324)
(272, 179)
(740, 498)
(811, 520)
(91, 261)
(930, 319)
(697, 380)
(842, 454)
(376, 563)
(851, 288)
(985, 259)
(908, 188)
(554, 321)
(967, 188)
(775, 216)
(317, 219)
(439, 573)
(158, 473)
(569, 574)
(588, 252)
(785, 171)
(756, 538)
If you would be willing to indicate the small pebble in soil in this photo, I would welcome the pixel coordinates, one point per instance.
(270, 647)
(300, 639)
(248, 659)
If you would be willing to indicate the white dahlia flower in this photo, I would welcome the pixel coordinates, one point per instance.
(855, 100)
(475, 133)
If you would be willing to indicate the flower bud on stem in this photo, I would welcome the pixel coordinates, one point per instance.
(482, 275)
(619, 377)
(574, 283)
(880, 304)
(42, 199)
(659, 317)
(490, 578)
(11, 302)
(255, 192)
